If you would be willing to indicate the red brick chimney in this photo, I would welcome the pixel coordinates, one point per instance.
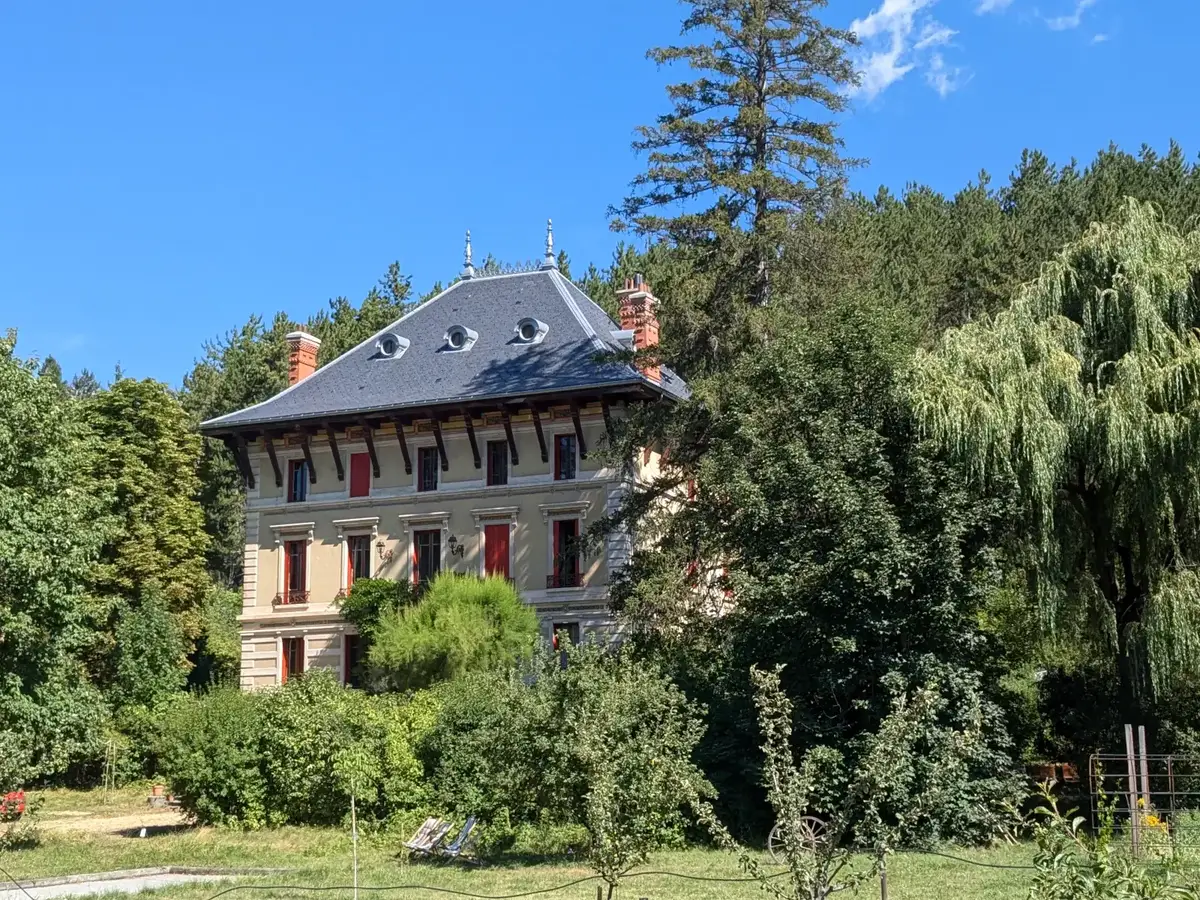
(638, 314)
(302, 355)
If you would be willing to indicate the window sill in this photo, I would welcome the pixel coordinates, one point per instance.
(290, 607)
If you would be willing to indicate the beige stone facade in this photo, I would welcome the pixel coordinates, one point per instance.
(394, 511)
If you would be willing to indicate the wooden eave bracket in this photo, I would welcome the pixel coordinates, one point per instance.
(241, 456)
(337, 456)
(399, 423)
(506, 418)
(537, 426)
(312, 469)
(369, 437)
(441, 445)
(471, 436)
(578, 431)
(269, 440)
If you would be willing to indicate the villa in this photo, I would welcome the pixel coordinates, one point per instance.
(461, 437)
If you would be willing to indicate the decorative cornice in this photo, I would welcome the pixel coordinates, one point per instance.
(579, 508)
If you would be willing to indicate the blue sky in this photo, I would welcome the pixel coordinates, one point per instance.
(168, 169)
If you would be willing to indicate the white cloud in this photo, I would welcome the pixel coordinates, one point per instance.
(1099, 38)
(987, 6)
(889, 50)
(933, 35)
(1073, 20)
(943, 79)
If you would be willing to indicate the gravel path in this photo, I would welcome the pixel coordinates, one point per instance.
(106, 885)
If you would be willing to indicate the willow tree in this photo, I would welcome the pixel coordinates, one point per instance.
(1085, 396)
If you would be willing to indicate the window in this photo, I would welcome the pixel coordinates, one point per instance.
(295, 561)
(564, 570)
(427, 556)
(459, 337)
(352, 660)
(531, 331)
(564, 457)
(297, 481)
(360, 474)
(565, 631)
(292, 661)
(497, 459)
(358, 558)
(427, 468)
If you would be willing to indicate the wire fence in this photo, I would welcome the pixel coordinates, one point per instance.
(375, 890)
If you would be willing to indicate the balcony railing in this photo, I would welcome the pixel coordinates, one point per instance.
(564, 579)
(289, 598)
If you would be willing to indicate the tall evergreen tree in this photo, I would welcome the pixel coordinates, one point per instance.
(145, 456)
(750, 144)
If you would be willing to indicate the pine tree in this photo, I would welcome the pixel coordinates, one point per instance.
(738, 150)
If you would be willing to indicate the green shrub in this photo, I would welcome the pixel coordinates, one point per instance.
(370, 599)
(461, 624)
(294, 754)
(604, 743)
(211, 755)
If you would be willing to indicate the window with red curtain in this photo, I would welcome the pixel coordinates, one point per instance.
(360, 474)
(292, 662)
(565, 570)
(295, 558)
(358, 558)
(427, 556)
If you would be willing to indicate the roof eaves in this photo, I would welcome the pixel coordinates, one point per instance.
(633, 381)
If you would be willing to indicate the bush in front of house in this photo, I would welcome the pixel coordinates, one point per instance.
(210, 751)
(293, 755)
(461, 624)
(589, 738)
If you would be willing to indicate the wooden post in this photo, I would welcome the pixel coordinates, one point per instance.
(883, 880)
(1145, 771)
(354, 841)
(1132, 792)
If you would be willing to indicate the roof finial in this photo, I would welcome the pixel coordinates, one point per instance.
(549, 262)
(468, 269)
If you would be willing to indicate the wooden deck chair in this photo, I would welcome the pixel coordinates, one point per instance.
(433, 839)
(461, 845)
(423, 840)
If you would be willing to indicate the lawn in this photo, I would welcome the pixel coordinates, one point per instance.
(322, 858)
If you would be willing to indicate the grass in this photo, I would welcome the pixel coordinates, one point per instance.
(322, 858)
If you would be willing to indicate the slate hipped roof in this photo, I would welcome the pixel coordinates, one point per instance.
(497, 366)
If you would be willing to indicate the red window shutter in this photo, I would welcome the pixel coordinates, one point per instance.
(283, 661)
(360, 474)
(495, 541)
(287, 570)
(349, 564)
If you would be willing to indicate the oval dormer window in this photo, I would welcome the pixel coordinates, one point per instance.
(391, 346)
(531, 331)
(459, 337)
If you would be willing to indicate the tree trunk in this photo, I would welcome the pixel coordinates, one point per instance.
(1133, 663)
